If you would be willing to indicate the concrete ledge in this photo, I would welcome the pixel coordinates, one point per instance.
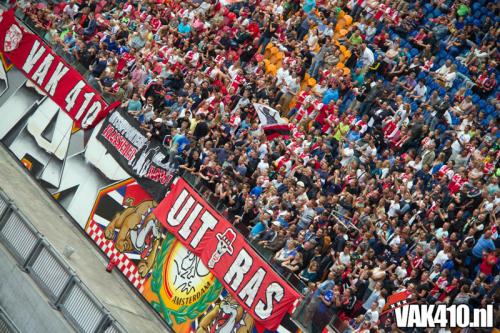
(126, 306)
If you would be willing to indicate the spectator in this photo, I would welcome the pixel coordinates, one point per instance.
(385, 175)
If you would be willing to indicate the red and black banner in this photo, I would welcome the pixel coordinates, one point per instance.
(141, 158)
(277, 130)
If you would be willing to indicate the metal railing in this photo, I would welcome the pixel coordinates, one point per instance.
(37, 257)
(6, 324)
(311, 318)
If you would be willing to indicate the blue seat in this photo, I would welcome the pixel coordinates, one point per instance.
(490, 109)
(429, 7)
(422, 75)
(464, 70)
(482, 104)
(475, 99)
(442, 92)
(413, 106)
(456, 84)
(476, 6)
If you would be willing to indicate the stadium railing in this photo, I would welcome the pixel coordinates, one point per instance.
(65, 291)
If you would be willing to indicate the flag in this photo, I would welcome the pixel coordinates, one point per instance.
(276, 130)
(268, 115)
(397, 300)
(271, 121)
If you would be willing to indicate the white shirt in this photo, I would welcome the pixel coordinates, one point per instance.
(443, 70)
(441, 258)
(344, 258)
(393, 209)
(71, 11)
(420, 91)
(449, 78)
(347, 154)
(263, 165)
(367, 58)
(372, 314)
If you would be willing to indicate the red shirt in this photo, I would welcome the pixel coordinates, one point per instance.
(456, 183)
(489, 261)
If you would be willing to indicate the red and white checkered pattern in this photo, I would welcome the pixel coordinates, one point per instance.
(127, 267)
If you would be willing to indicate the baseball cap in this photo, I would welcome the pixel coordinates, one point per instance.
(301, 184)
(158, 120)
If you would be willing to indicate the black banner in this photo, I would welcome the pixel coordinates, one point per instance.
(141, 158)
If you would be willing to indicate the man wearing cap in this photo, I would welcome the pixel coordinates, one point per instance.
(271, 233)
(301, 191)
(158, 132)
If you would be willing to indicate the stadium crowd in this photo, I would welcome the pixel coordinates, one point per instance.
(387, 178)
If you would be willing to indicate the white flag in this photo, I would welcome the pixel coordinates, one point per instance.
(268, 115)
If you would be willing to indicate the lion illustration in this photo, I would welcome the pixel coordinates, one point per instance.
(138, 230)
(226, 317)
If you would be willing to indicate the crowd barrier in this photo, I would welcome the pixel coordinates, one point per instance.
(37, 257)
(6, 324)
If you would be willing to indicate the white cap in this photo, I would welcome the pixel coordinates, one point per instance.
(301, 184)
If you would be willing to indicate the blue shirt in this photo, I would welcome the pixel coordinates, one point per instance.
(353, 136)
(481, 245)
(330, 94)
(183, 29)
(328, 295)
(257, 229)
(325, 288)
(257, 191)
(181, 141)
(70, 40)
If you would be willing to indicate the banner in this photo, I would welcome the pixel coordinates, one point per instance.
(50, 74)
(224, 251)
(135, 153)
(275, 131)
